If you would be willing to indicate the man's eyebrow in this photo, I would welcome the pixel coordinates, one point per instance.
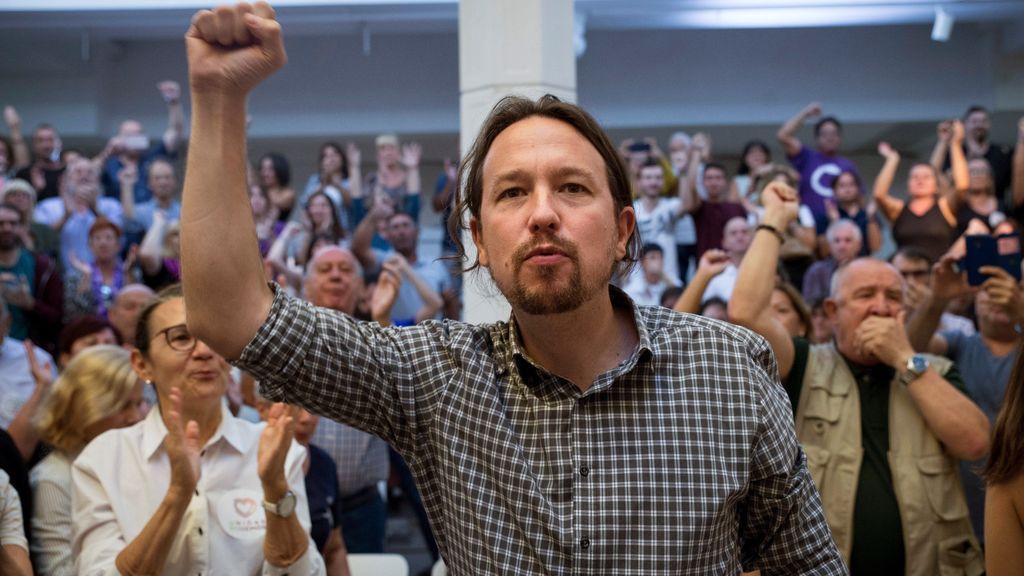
(514, 175)
(562, 173)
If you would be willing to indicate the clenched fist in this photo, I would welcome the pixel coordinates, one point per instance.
(231, 49)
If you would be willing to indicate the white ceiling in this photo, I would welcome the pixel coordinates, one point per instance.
(129, 18)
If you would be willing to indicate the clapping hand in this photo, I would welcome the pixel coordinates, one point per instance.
(411, 154)
(41, 373)
(170, 91)
(275, 441)
(182, 445)
(386, 292)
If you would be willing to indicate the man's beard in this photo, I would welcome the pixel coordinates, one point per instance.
(552, 299)
(8, 241)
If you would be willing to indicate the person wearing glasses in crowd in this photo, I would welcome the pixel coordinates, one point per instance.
(191, 489)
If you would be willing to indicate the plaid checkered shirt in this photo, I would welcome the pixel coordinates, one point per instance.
(681, 460)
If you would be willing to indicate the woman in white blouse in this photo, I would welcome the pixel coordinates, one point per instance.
(191, 489)
(97, 391)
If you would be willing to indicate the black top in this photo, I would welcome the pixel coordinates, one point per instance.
(929, 232)
(322, 494)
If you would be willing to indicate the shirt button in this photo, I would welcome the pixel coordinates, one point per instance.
(200, 531)
(584, 471)
(585, 543)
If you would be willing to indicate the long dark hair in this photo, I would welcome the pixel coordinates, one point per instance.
(337, 230)
(1006, 457)
(469, 187)
(337, 148)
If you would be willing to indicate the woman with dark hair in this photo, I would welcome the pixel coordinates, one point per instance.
(275, 175)
(755, 155)
(851, 204)
(790, 310)
(293, 246)
(1004, 496)
(338, 175)
(927, 220)
(268, 225)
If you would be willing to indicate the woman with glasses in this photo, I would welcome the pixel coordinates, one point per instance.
(191, 489)
(97, 391)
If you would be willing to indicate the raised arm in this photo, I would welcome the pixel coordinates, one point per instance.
(362, 238)
(230, 51)
(151, 250)
(958, 164)
(944, 132)
(127, 178)
(689, 199)
(890, 206)
(20, 156)
(946, 284)
(171, 92)
(411, 154)
(712, 263)
(22, 430)
(355, 172)
(787, 133)
(750, 305)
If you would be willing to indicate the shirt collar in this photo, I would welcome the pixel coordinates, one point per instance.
(620, 299)
(154, 431)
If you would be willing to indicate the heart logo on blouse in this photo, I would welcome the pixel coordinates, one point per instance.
(245, 506)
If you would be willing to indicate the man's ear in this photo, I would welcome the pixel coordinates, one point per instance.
(625, 226)
(482, 256)
(830, 307)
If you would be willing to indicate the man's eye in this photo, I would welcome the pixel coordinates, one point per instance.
(510, 193)
(574, 188)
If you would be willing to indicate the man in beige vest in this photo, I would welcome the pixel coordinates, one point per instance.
(882, 426)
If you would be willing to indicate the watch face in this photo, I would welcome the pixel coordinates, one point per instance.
(286, 505)
(919, 363)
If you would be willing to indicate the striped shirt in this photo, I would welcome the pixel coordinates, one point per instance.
(681, 460)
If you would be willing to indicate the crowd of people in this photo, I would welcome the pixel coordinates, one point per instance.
(129, 443)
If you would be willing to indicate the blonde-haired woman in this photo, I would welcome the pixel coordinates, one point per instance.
(97, 391)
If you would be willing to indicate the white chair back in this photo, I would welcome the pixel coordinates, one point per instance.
(377, 565)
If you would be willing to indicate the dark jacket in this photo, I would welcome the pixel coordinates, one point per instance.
(45, 320)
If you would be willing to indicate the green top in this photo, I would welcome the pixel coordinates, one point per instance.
(877, 530)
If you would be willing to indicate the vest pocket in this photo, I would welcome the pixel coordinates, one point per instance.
(958, 556)
(941, 486)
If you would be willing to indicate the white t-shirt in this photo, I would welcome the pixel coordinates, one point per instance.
(12, 530)
(658, 226)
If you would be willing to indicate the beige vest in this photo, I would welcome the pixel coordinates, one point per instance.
(937, 532)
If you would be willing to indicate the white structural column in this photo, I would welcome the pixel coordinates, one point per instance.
(522, 47)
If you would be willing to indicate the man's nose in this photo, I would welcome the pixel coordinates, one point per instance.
(543, 212)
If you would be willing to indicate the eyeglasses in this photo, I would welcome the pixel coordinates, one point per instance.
(178, 338)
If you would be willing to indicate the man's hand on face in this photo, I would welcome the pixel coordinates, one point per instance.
(231, 49)
(885, 338)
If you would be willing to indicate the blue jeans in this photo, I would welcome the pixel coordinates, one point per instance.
(363, 527)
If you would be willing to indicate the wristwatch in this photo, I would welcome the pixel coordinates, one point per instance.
(283, 507)
(916, 365)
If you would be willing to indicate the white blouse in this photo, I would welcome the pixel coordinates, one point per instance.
(51, 516)
(122, 476)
